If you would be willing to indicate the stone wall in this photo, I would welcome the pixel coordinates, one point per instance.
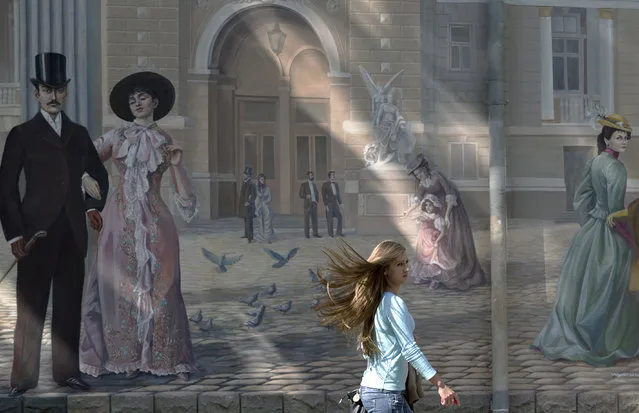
(462, 94)
(522, 50)
(626, 79)
(142, 35)
(384, 39)
(307, 402)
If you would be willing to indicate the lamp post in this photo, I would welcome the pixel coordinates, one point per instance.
(276, 38)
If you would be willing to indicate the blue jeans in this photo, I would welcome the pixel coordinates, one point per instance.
(384, 401)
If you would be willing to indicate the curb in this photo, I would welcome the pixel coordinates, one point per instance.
(306, 402)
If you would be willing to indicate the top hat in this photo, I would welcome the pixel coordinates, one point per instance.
(248, 171)
(51, 70)
(419, 162)
(615, 121)
(156, 84)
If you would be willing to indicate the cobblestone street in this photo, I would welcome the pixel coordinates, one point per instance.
(290, 352)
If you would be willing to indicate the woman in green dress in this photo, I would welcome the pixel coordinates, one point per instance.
(595, 316)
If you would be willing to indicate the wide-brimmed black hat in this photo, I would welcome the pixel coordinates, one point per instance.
(420, 161)
(157, 85)
(50, 70)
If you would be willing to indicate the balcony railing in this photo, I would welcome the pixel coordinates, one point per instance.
(9, 94)
(573, 109)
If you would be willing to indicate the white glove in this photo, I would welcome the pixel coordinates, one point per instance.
(91, 187)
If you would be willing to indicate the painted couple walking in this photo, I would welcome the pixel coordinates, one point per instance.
(131, 303)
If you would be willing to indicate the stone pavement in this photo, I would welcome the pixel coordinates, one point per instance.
(291, 353)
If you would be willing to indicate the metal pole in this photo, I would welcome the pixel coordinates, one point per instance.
(498, 216)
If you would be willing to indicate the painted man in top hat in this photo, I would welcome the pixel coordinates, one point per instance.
(54, 153)
(247, 203)
(310, 195)
(333, 204)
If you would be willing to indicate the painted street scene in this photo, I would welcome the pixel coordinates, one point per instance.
(181, 183)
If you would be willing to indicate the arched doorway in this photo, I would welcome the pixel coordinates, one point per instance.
(279, 123)
(310, 120)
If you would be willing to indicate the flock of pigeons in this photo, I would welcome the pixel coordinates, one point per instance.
(223, 262)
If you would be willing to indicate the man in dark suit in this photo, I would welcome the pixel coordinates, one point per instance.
(333, 204)
(308, 192)
(247, 203)
(54, 153)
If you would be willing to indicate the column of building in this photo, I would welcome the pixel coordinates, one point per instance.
(340, 106)
(202, 90)
(606, 60)
(284, 134)
(73, 28)
(545, 47)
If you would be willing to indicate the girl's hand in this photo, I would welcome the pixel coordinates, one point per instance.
(447, 395)
(175, 154)
(610, 220)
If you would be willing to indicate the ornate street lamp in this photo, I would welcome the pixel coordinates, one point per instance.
(276, 38)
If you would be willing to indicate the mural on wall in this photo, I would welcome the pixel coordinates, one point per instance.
(254, 136)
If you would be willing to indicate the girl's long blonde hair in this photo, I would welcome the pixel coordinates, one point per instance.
(354, 289)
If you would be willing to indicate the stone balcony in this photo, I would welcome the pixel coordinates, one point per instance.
(10, 111)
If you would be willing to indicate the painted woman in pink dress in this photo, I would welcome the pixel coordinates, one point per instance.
(133, 313)
(431, 263)
(458, 244)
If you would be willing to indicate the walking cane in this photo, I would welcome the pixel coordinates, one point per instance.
(34, 238)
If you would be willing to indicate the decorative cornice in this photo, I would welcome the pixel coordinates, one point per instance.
(605, 14)
(339, 74)
(590, 4)
(362, 127)
(587, 4)
(545, 11)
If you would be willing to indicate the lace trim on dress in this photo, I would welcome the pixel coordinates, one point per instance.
(142, 156)
(188, 208)
(109, 368)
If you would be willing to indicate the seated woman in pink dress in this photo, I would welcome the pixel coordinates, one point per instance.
(133, 313)
(431, 263)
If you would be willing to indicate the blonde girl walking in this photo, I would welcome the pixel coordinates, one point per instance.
(363, 297)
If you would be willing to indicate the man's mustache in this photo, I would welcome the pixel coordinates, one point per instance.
(53, 102)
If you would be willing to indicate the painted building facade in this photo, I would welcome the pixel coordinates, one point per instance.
(276, 85)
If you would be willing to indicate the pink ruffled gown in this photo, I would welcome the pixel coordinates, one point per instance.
(134, 316)
(432, 262)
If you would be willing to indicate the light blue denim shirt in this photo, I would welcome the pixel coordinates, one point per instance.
(394, 328)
